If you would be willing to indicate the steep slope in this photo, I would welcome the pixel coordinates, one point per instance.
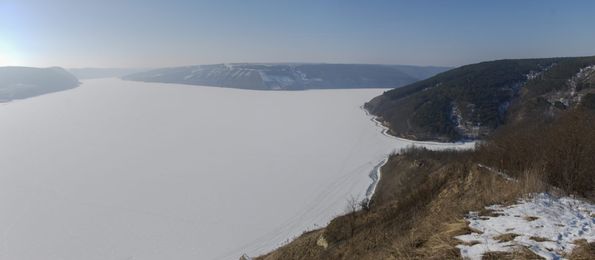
(24, 82)
(507, 199)
(289, 76)
(540, 117)
(473, 100)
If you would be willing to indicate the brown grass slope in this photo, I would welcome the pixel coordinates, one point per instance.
(409, 221)
(423, 196)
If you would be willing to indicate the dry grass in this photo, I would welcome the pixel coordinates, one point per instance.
(418, 210)
(302, 248)
(423, 196)
(459, 227)
(539, 239)
(507, 237)
(583, 250)
(488, 213)
(558, 152)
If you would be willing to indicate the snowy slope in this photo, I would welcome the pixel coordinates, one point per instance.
(545, 224)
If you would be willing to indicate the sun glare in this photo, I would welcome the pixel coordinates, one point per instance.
(9, 56)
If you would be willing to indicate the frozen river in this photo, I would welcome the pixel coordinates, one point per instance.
(127, 170)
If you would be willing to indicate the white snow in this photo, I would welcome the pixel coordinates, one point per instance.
(560, 220)
(375, 175)
(277, 82)
(583, 73)
(467, 128)
(130, 170)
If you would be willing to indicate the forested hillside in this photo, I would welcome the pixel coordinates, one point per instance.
(471, 101)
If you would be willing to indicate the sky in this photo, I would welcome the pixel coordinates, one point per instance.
(148, 33)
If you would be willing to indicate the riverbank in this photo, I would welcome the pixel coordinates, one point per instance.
(502, 200)
(465, 144)
(416, 212)
(376, 173)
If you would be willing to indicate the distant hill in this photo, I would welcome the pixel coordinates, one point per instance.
(290, 76)
(97, 73)
(24, 82)
(473, 100)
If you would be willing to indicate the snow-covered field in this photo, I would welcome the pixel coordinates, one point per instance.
(129, 170)
(545, 224)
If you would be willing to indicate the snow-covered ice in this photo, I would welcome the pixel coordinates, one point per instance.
(130, 170)
(545, 224)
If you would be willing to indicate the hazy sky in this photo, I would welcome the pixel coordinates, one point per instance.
(145, 33)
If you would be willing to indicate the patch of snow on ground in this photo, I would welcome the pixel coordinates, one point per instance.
(467, 128)
(560, 221)
(582, 74)
(375, 176)
(276, 82)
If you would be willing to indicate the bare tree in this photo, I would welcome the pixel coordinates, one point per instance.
(351, 216)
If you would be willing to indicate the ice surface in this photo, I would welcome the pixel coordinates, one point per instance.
(546, 225)
(129, 170)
